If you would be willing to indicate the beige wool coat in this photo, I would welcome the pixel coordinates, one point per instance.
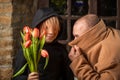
(100, 59)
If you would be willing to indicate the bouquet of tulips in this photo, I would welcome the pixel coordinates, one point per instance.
(32, 44)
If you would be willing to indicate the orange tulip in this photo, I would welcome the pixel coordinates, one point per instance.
(26, 29)
(31, 46)
(35, 32)
(44, 53)
(27, 36)
(27, 43)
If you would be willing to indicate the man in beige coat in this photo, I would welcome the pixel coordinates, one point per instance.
(95, 50)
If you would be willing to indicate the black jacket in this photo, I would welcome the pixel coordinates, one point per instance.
(57, 68)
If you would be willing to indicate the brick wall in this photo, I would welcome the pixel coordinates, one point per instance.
(6, 39)
(14, 14)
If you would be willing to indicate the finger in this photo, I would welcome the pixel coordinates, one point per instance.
(36, 77)
(33, 73)
(70, 55)
(77, 49)
(72, 50)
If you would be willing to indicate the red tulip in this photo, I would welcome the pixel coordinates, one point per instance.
(27, 36)
(35, 33)
(26, 29)
(44, 53)
(27, 43)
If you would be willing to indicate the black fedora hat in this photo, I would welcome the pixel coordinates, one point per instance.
(43, 14)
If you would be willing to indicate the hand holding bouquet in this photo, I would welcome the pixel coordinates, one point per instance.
(32, 44)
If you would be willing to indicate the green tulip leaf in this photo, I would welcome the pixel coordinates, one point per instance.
(22, 35)
(42, 42)
(20, 71)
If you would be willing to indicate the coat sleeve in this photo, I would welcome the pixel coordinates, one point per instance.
(102, 70)
(18, 63)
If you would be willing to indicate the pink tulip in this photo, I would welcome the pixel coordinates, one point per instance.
(44, 53)
(27, 43)
(35, 32)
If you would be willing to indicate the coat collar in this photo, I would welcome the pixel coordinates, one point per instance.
(91, 37)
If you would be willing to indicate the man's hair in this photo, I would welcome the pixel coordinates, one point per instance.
(91, 19)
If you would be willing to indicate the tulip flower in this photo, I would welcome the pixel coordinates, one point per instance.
(32, 49)
(26, 29)
(44, 53)
(35, 33)
(27, 43)
(27, 36)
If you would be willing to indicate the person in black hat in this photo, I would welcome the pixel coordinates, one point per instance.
(58, 65)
